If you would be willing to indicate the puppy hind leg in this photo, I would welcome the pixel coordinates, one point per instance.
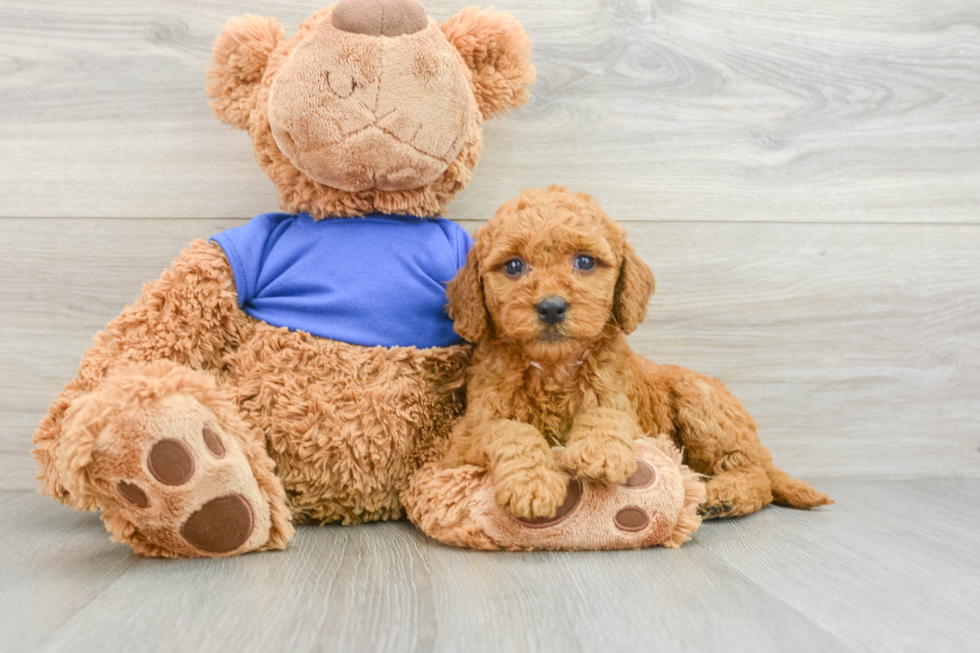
(736, 492)
(719, 439)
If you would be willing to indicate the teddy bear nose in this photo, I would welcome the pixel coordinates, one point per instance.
(379, 17)
(551, 309)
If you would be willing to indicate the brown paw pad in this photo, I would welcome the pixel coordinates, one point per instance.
(220, 525)
(213, 442)
(715, 511)
(573, 495)
(133, 493)
(171, 462)
(643, 477)
(632, 518)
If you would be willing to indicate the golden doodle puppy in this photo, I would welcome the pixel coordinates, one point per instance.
(549, 292)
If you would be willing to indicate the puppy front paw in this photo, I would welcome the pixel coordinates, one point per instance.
(532, 492)
(607, 459)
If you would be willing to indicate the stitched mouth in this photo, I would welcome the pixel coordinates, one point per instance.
(405, 168)
(376, 125)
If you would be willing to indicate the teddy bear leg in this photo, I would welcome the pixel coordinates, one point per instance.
(164, 453)
(656, 506)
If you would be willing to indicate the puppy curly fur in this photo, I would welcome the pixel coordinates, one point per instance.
(577, 383)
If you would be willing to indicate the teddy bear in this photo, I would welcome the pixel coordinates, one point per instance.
(298, 369)
(302, 368)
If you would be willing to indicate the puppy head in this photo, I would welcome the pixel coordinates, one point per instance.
(550, 272)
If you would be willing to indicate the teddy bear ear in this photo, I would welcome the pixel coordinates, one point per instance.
(498, 52)
(238, 60)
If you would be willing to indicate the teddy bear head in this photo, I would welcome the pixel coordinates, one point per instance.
(371, 105)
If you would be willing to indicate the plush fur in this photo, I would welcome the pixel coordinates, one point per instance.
(345, 124)
(307, 429)
(532, 384)
(455, 503)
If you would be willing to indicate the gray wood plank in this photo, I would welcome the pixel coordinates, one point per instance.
(845, 110)
(62, 281)
(53, 562)
(890, 567)
(856, 347)
(610, 601)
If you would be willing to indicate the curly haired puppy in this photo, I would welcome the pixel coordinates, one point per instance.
(549, 292)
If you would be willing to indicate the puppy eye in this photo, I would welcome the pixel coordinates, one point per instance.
(514, 267)
(584, 262)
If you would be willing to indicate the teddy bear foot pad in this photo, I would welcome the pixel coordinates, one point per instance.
(182, 484)
(220, 525)
(656, 506)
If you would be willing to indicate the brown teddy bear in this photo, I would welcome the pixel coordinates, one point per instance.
(298, 369)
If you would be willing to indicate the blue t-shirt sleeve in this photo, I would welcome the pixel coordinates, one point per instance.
(245, 248)
(459, 239)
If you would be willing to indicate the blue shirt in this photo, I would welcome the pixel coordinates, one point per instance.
(376, 280)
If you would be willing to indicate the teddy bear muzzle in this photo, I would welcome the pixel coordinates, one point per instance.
(373, 98)
(379, 17)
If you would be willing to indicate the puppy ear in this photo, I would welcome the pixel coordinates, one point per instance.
(633, 291)
(238, 60)
(466, 301)
(498, 53)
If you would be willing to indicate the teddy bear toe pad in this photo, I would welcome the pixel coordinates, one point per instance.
(643, 477)
(632, 519)
(573, 496)
(190, 490)
(171, 462)
(132, 493)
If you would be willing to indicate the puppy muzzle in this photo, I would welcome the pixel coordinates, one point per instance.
(552, 309)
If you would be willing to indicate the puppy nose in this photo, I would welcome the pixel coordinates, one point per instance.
(379, 17)
(552, 309)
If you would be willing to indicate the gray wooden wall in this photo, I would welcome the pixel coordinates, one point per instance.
(804, 179)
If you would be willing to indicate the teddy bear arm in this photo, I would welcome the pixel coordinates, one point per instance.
(190, 315)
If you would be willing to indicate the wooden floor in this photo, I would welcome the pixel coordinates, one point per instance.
(892, 566)
(804, 180)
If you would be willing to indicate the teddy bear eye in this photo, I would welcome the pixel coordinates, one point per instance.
(514, 267)
(584, 262)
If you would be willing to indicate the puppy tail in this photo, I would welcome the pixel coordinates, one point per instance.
(788, 491)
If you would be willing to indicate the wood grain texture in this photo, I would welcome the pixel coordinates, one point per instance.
(856, 347)
(773, 110)
(890, 567)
